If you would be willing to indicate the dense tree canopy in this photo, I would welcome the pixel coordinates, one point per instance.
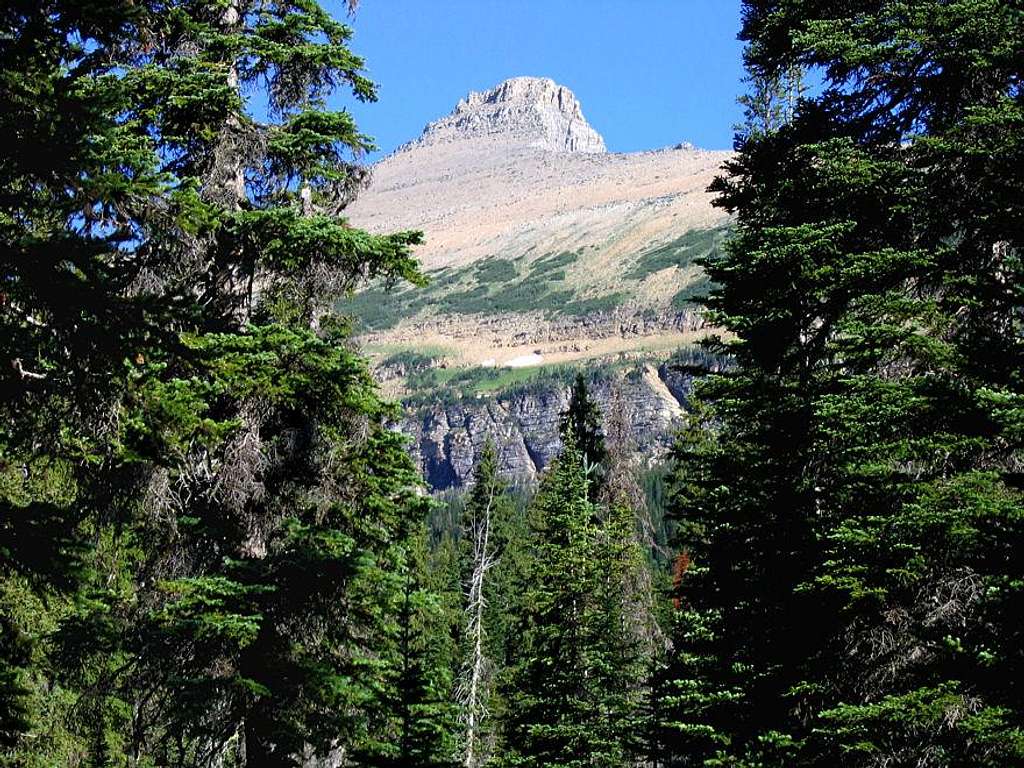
(571, 684)
(203, 517)
(213, 545)
(856, 526)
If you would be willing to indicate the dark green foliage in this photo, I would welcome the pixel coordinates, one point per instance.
(582, 420)
(14, 695)
(654, 482)
(491, 271)
(376, 308)
(211, 545)
(445, 520)
(203, 515)
(693, 294)
(551, 268)
(420, 705)
(855, 525)
(684, 251)
(570, 693)
(562, 640)
(492, 286)
(450, 384)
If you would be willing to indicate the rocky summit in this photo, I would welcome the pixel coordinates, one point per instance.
(546, 253)
(533, 112)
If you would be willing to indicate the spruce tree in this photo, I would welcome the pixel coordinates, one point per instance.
(570, 689)
(582, 419)
(855, 523)
(183, 418)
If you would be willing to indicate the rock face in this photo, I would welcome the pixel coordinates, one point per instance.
(518, 171)
(509, 331)
(523, 111)
(542, 247)
(447, 438)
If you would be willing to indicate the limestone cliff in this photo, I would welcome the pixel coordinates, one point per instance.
(447, 436)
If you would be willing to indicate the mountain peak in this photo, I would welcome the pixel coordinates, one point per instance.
(522, 111)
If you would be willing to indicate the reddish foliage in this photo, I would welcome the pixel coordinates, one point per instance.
(679, 568)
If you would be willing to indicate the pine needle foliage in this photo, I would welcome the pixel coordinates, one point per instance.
(582, 419)
(855, 523)
(204, 518)
(570, 693)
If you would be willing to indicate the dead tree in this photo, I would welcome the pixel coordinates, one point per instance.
(474, 678)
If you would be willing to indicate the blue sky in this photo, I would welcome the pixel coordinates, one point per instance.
(649, 73)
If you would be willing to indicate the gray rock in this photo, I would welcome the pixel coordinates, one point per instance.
(523, 111)
(446, 439)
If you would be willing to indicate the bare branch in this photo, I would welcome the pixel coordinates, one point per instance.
(23, 373)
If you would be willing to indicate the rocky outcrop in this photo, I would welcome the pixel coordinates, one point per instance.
(517, 171)
(525, 111)
(446, 438)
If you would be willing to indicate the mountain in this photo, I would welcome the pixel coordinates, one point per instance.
(544, 251)
(530, 111)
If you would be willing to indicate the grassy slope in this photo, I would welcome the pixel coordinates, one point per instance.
(554, 284)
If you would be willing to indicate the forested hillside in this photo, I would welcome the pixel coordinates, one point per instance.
(217, 552)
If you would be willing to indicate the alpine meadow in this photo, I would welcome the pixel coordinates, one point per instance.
(501, 448)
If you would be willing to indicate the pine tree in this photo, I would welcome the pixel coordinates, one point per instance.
(583, 419)
(855, 522)
(182, 416)
(570, 690)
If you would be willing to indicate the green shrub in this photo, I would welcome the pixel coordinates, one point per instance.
(682, 252)
(495, 271)
(690, 295)
(547, 267)
(411, 360)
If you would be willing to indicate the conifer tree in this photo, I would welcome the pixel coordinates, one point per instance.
(625, 513)
(221, 508)
(421, 710)
(855, 523)
(570, 693)
(583, 420)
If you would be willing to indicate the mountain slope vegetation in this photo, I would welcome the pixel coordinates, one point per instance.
(216, 551)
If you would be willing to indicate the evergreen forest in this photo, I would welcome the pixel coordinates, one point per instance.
(216, 551)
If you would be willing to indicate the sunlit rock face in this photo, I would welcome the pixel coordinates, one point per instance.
(447, 438)
(545, 252)
(523, 111)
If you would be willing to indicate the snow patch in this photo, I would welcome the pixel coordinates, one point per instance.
(524, 361)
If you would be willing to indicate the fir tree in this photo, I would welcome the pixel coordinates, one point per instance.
(855, 522)
(570, 691)
(181, 414)
(583, 420)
